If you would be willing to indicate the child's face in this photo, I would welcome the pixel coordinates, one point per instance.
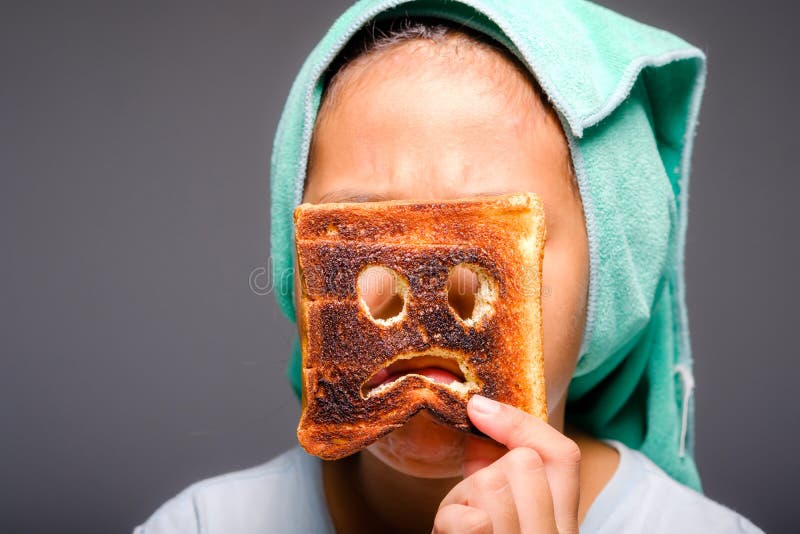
(402, 128)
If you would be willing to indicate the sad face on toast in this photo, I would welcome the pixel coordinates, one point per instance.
(409, 306)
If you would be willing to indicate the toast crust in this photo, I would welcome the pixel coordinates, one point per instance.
(501, 238)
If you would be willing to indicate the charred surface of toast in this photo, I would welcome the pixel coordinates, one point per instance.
(343, 346)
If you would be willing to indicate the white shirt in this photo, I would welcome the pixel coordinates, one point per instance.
(286, 495)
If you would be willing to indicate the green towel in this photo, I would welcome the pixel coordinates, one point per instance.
(628, 97)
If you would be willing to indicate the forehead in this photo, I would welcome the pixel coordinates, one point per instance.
(411, 134)
(434, 120)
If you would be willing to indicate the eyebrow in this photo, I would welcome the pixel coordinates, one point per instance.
(351, 195)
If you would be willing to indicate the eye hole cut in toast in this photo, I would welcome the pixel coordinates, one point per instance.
(416, 305)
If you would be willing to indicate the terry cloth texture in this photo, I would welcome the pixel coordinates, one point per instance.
(628, 97)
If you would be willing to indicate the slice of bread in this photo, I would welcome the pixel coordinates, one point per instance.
(495, 351)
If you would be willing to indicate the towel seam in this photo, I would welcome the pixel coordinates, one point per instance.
(591, 231)
(685, 357)
(629, 77)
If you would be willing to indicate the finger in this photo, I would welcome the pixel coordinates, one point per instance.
(527, 476)
(515, 428)
(489, 490)
(480, 452)
(458, 518)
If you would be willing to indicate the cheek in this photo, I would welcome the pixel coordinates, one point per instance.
(564, 285)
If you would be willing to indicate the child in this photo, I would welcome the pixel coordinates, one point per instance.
(594, 113)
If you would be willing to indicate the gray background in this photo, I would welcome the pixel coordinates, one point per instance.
(134, 146)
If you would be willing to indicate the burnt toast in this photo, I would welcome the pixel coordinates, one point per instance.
(360, 376)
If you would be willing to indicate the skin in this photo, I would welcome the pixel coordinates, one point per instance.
(420, 122)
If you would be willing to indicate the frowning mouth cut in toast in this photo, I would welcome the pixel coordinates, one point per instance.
(440, 367)
(416, 305)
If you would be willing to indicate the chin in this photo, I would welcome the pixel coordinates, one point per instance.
(423, 447)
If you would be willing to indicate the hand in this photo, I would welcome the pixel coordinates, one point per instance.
(528, 486)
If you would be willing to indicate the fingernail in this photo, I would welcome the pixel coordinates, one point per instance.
(483, 405)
